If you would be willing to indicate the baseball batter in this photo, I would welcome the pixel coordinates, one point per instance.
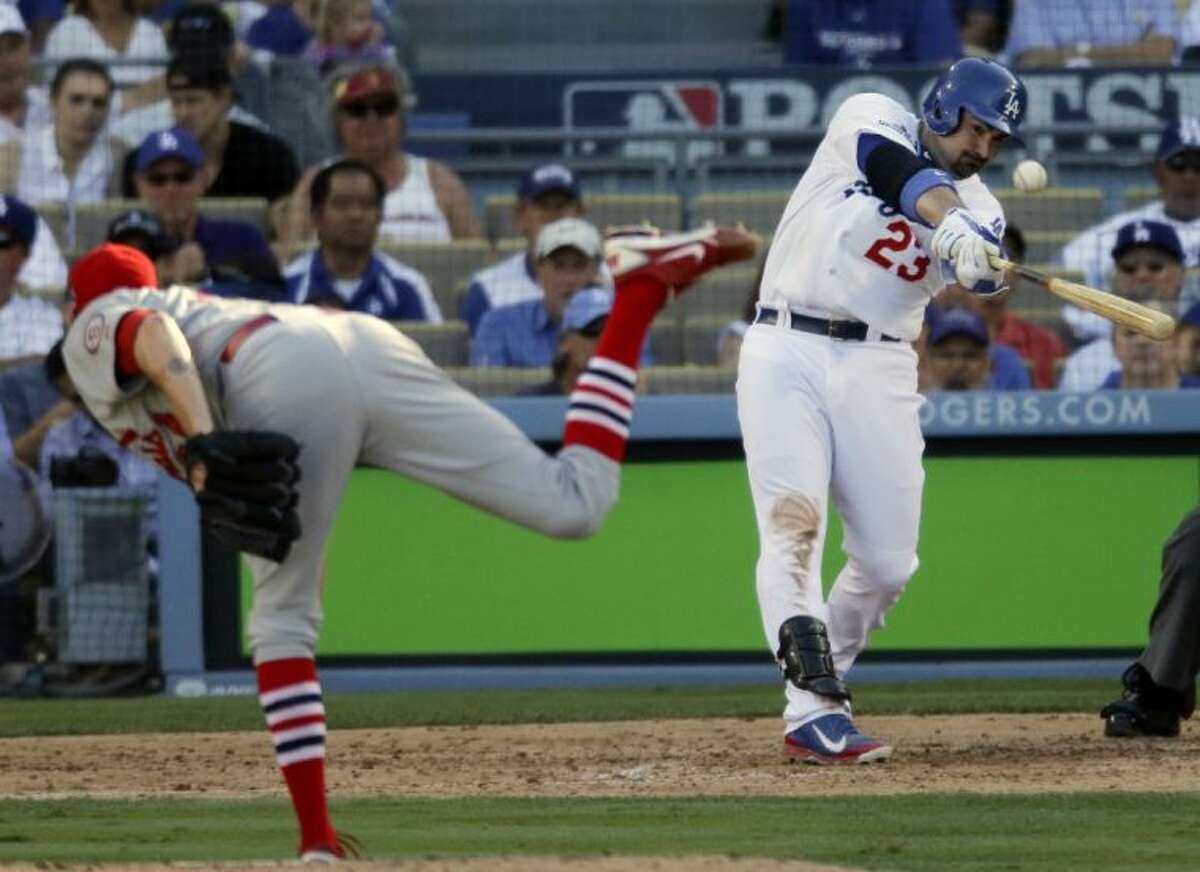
(239, 397)
(889, 212)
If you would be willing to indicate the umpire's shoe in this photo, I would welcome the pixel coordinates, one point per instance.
(1144, 709)
(833, 739)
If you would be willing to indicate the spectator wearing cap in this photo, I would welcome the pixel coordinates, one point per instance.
(28, 326)
(1039, 347)
(1176, 172)
(71, 161)
(1149, 262)
(583, 320)
(426, 200)
(546, 193)
(242, 160)
(567, 259)
(110, 31)
(345, 271)
(960, 356)
(141, 229)
(1054, 33)
(171, 177)
(1145, 364)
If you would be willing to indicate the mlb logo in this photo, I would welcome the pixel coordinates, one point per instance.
(645, 106)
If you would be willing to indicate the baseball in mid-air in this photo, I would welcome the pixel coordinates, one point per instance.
(1029, 177)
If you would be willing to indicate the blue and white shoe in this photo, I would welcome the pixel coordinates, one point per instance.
(833, 739)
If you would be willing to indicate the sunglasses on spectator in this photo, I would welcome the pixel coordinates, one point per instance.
(1188, 160)
(385, 107)
(84, 100)
(179, 177)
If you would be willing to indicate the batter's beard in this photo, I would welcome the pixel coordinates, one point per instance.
(964, 168)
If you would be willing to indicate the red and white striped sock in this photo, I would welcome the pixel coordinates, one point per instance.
(601, 406)
(290, 696)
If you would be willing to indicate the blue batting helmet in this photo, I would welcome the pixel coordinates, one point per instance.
(986, 89)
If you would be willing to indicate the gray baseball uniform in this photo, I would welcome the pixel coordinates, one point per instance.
(351, 389)
(1172, 657)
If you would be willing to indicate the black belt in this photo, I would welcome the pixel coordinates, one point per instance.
(855, 331)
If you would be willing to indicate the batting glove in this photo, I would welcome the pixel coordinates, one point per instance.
(964, 246)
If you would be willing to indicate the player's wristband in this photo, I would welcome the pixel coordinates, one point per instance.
(925, 180)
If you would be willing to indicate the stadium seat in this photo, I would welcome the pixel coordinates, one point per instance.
(1136, 198)
(1061, 209)
(497, 381)
(446, 344)
(92, 219)
(689, 380)
(1043, 246)
(722, 292)
(662, 210)
(666, 341)
(447, 266)
(700, 338)
(758, 210)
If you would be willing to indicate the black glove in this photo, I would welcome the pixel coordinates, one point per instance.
(247, 492)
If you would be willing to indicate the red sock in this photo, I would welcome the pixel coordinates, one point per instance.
(602, 403)
(291, 699)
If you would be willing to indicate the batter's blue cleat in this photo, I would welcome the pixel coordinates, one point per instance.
(833, 739)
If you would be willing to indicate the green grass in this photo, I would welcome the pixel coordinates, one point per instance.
(352, 711)
(936, 831)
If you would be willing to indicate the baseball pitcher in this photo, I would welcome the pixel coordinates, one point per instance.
(890, 211)
(264, 410)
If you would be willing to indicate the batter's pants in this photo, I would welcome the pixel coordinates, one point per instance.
(821, 416)
(353, 390)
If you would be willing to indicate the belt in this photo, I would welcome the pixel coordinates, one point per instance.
(242, 334)
(855, 331)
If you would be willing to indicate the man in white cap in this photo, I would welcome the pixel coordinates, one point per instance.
(567, 258)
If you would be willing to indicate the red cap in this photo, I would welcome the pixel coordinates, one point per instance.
(106, 268)
(368, 83)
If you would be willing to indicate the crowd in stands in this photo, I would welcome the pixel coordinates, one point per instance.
(1022, 33)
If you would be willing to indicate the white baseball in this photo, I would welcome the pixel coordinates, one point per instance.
(1029, 177)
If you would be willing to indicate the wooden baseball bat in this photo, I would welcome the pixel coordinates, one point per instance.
(1141, 319)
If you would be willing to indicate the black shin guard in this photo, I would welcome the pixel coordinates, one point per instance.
(805, 658)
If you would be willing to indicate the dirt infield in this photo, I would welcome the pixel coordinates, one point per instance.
(725, 757)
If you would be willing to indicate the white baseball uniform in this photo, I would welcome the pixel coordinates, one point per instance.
(350, 389)
(821, 415)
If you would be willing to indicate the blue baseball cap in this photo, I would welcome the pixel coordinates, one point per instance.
(18, 222)
(1182, 134)
(585, 308)
(958, 322)
(1150, 234)
(546, 178)
(175, 142)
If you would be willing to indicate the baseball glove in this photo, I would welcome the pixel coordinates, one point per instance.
(245, 483)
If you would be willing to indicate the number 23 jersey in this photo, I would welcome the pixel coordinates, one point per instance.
(840, 252)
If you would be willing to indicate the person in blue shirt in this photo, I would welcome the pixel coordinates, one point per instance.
(1149, 365)
(345, 271)
(171, 177)
(579, 333)
(961, 356)
(871, 33)
(567, 259)
(545, 193)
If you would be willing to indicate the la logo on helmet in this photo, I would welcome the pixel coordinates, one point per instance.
(1012, 107)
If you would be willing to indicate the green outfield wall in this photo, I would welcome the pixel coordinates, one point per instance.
(1016, 552)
